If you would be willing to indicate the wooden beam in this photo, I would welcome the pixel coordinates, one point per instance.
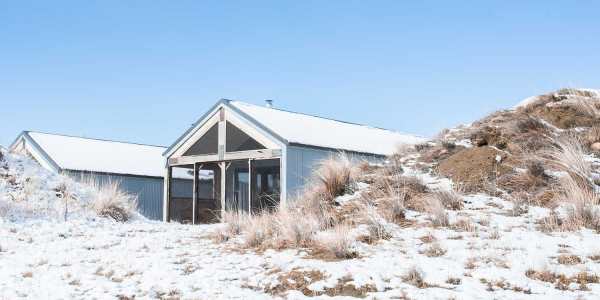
(241, 155)
(253, 154)
(188, 160)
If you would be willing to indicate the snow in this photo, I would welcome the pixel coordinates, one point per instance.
(315, 131)
(83, 154)
(44, 257)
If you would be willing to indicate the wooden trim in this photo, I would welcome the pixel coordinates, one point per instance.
(241, 155)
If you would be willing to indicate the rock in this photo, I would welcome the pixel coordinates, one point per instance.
(595, 147)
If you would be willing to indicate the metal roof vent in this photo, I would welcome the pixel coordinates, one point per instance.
(269, 103)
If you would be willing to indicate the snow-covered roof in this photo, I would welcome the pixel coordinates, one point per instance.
(297, 128)
(85, 154)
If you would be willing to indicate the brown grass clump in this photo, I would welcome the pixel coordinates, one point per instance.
(561, 281)
(569, 259)
(450, 199)
(568, 155)
(336, 243)
(298, 280)
(112, 202)
(463, 225)
(435, 250)
(414, 277)
(584, 211)
(437, 212)
(335, 176)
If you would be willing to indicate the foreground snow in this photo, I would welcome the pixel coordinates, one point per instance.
(104, 260)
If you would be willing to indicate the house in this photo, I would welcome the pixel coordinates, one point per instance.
(249, 158)
(138, 168)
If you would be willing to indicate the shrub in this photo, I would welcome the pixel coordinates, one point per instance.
(335, 176)
(295, 229)
(337, 243)
(415, 277)
(376, 225)
(568, 155)
(584, 200)
(593, 135)
(112, 202)
(435, 250)
(450, 199)
(529, 124)
(435, 208)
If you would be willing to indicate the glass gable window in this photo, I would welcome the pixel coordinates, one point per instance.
(207, 144)
(237, 140)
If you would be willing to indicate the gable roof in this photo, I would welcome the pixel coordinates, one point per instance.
(103, 156)
(303, 129)
(294, 128)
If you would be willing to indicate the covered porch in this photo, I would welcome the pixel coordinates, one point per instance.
(224, 165)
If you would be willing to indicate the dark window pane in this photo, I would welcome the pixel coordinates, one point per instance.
(207, 144)
(237, 140)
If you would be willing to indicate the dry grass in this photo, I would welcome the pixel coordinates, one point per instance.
(414, 277)
(377, 227)
(463, 225)
(335, 176)
(568, 155)
(569, 259)
(435, 250)
(450, 199)
(336, 243)
(563, 282)
(111, 201)
(584, 210)
(436, 210)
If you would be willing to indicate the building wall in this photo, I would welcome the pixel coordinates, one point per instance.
(149, 190)
(303, 161)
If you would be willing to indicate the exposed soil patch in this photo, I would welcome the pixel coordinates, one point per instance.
(475, 168)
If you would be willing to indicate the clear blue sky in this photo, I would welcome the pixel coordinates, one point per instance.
(143, 71)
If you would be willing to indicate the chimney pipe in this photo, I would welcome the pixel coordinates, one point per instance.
(269, 103)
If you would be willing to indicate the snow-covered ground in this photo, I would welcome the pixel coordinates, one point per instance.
(104, 260)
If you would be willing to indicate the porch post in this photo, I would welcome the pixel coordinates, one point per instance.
(249, 187)
(223, 175)
(167, 194)
(195, 194)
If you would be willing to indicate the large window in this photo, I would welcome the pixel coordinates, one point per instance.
(237, 140)
(207, 144)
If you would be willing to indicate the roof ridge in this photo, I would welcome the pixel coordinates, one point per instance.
(94, 139)
(326, 118)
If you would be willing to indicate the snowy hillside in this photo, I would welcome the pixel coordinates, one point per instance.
(505, 208)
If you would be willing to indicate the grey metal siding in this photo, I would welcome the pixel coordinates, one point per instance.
(149, 190)
(302, 162)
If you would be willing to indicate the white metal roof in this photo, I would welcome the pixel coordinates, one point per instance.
(84, 154)
(297, 128)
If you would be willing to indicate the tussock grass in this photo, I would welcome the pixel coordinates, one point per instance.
(436, 210)
(337, 242)
(335, 176)
(414, 277)
(110, 201)
(584, 210)
(568, 155)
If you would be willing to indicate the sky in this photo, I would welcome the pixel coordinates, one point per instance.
(144, 71)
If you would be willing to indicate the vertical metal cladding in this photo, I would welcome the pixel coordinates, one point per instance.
(149, 190)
